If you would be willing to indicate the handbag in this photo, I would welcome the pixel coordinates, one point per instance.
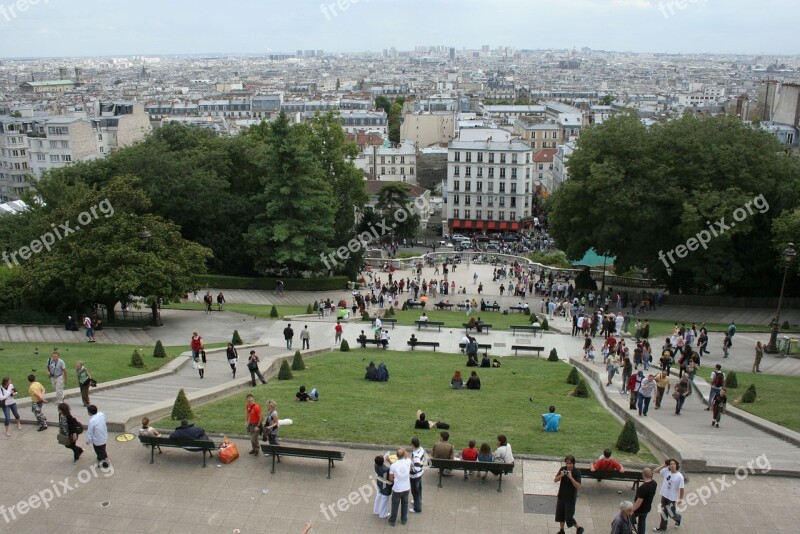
(252, 365)
(63, 439)
(228, 451)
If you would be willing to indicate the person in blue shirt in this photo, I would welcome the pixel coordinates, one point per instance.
(551, 420)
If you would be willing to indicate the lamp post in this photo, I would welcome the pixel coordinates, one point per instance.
(155, 319)
(788, 258)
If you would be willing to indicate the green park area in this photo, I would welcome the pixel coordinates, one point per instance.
(776, 398)
(350, 409)
(253, 310)
(662, 328)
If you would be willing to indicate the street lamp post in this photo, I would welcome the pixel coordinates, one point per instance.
(155, 319)
(788, 258)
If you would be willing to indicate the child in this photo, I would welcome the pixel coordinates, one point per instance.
(485, 455)
(469, 454)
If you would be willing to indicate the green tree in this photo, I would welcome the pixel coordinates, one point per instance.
(581, 389)
(236, 339)
(136, 359)
(108, 259)
(297, 363)
(296, 223)
(181, 409)
(750, 395)
(574, 377)
(285, 373)
(628, 440)
(158, 351)
(395, 118)
(393, 203)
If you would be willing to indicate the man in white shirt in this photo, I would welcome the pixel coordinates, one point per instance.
(58, 377)
(672, 490)
(418, 462)
(378, 322)
(97, 434)
(400, 475)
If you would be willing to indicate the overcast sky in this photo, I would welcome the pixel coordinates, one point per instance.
(112, 27)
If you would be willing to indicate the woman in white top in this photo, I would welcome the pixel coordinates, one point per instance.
(7, 394)
(503, 452)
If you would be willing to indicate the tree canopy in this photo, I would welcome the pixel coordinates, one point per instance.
(640, 193)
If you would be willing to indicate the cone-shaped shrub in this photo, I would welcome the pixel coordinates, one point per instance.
(545, 324)
(390, 313)
(731, 381)
(553, 355)
(628, 440)
(309, 310)
(298, 364)
(574, 377)
(285, 372)
(345, 346)
(749, 395)
(159, 351)
(136, 359)
(236, 339)
(365, 316)
(182, 409)
(315, 306)
(274, 312)
(581, 390)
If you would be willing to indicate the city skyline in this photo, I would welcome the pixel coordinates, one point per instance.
(55, 28)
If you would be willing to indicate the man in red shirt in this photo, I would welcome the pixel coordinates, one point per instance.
(338, 328)
(253, 421)
(606, 463)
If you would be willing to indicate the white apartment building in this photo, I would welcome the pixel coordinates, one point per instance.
(396, 163)
(365, 121)
(560, 172)
(30, 146)
(489, 185)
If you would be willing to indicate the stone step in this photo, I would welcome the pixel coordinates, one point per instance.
(16, 335)
(4, 337)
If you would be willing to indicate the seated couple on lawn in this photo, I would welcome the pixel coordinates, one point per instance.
(458, 383)
(424, 424)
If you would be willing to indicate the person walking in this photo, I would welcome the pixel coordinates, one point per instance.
(209, 302)
(97, 434)
(288, 335)
(726, 345)
(731, 332)
(252, 366)
(622, 523)
(717, 382)
(84, 381)
(196, 345)
(672, 490)
(338, 329)
(253, 421)
(759, 355)
(682, 390)
(719, 406)
(305, 337)
(418, 462)
(662, 385)
(201, 364)
(36, 391)
(7, 396)
(87, 324)
(68, 431)
(646, 390)
(400, 476)
(569, 480)
(643, 501)
(233, 357)
(58, 378)
(271, 426)
(381, 506)
(220, 301)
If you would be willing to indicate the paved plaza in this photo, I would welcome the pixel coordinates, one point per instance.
(177, 495)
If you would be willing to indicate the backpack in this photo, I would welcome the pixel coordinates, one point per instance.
(719, 379)
(383, 373)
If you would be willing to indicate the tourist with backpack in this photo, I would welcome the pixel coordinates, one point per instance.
(717, 382)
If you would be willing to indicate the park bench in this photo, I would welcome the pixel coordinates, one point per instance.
(418, 343)
(442, 306)
(496, 468)
(492, 307)
(437, 324)
(527, 328)
(369, 340)
(538, 350)
(484, 327)
(192, 445)
(415, 304)
(282, 450)
(484, 346)
(385, 322)
(520, 309)
(627, 476)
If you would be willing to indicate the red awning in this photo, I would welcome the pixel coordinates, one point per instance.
(514, 226)
(491, 225)
(469, 224)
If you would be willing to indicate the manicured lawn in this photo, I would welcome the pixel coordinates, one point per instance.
(662, 328)
(354, 410)
(777, 397)
(454, 319)
(105, 362)
(254, 310)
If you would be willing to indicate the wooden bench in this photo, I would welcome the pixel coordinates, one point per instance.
(323, 454)
(442, 306)
(484, 327)
(370, 341)
(386, 321)
(527, 328)
(627, 476)
(418, 343)
(415, 304)
(518, 308)
(538, 350)
(192, 445)
(484, 346)
(492, 307)
(437, 324)
(496, 468)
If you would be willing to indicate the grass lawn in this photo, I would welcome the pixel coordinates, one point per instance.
(354, 410)
(254, 310)
(776, 398)
(454, 319)
(661, 328)
(105, 362)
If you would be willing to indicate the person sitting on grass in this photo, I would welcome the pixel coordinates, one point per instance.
(457, 382)
(474, 382)
(302, 396)
(372, 372)
(424, 424)
(495, 362)
(551, 420)
(485, 361)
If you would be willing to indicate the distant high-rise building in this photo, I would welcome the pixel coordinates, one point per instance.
(452, 54)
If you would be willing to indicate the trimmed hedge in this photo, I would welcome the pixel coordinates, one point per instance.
(158, 351)
(285, 372)
(182, 409)
(750, 395)
(218, 281)
(298, 364)
(136, 359)
(731, 381)
(574, 377)
(628, 440)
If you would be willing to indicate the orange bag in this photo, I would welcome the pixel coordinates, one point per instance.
(228, 451)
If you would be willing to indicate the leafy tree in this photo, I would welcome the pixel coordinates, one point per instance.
(273, 312)
(553, 355)
(393, 203)
(731, 381)
(108, 259)
(668, 183)
(297, 219)
(395, 118)
(345, 346)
